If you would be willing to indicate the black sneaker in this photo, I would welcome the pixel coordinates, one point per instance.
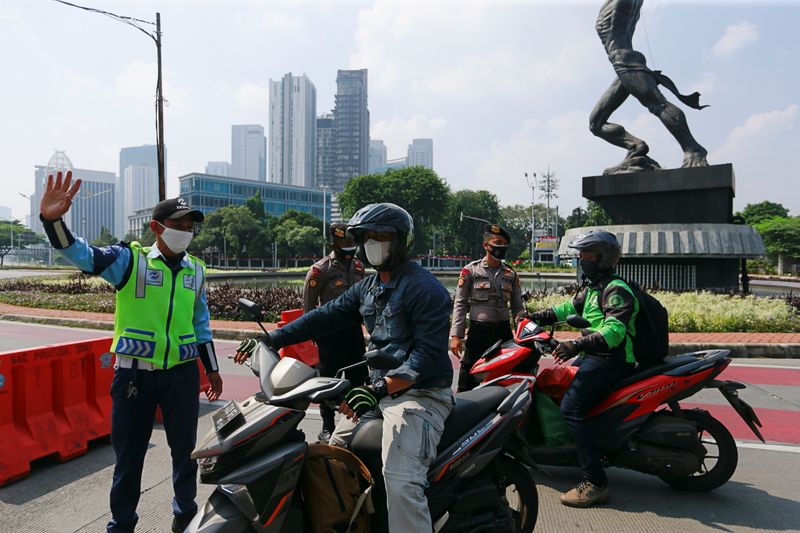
(324, 436)
(180, 523)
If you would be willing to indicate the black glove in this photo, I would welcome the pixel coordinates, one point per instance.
(565, 350)
(248, 346)
(521, 316)
(364, 399)
(543, 317)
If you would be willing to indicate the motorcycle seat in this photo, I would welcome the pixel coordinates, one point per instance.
(668, 363)
(470, 408)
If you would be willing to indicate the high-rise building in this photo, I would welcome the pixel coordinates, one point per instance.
(326, 150)
(141, 189)
(420, 153)
(218, 168)
(248, 152)
(143, 156)
(351, 122)
(292, 131)
(93, 208)
(377, 154)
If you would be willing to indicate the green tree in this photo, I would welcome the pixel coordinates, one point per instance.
(577, 219)
(781, 236)
(256, 206)
(596, 215)
(301, 218)
(755, 213)
(464, 236)
(517, 221)
(106, 238)
(14, 236)
(235, 231)
(297, 240)
(418, 190)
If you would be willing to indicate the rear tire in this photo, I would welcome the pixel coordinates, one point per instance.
(720, 447)
(519, 492)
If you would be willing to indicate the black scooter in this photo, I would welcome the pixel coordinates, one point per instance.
(255, 454)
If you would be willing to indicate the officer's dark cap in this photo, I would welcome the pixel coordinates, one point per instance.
(495, 230)
(174, 208)
(338, 231)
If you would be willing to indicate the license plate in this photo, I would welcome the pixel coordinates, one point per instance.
(227, 418)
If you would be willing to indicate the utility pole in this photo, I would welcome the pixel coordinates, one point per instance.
(324, 216)
(162, 180)
(532, 184)
(549, 188)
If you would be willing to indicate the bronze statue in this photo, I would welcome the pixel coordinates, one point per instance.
(615, 25)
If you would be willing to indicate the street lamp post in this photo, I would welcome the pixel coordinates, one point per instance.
(324, 215)
(130, 21)
(532, 184)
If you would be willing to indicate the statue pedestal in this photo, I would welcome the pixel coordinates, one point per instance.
(674, 227)
(681, 195)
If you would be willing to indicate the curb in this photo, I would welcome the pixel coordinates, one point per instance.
(738, 350)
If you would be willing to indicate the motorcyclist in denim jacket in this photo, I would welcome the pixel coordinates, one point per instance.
(406, 312)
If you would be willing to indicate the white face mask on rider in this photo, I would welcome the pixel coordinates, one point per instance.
(377, 251)
(177, 241)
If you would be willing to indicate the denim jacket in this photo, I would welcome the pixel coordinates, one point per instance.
(407, 318)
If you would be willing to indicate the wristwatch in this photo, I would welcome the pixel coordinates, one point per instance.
(380, 388)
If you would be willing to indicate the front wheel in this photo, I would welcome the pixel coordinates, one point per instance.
(720, 460)
(518, 491)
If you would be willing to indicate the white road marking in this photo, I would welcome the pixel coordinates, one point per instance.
(757, 365)
(768, 447)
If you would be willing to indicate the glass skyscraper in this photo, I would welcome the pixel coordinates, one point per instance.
(351, 122)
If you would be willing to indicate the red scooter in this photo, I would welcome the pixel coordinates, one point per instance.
(645, 428)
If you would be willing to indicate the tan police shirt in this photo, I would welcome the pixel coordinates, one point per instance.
(485, 292)
(328, 278)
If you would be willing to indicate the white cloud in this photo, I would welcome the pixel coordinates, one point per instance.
(253, 96)
(758, 130)
(735, 38)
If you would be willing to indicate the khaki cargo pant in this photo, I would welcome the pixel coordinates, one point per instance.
(412, 426)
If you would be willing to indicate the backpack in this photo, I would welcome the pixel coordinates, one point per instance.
(336, 486)
(651, 343)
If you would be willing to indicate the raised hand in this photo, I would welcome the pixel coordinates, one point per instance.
(58, 195)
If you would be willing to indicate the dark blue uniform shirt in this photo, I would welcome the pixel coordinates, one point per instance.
(407, 318)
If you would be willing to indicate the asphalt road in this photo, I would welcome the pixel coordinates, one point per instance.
(761, 496)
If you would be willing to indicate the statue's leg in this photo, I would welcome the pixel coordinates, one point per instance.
(599, 125)
(645, 89)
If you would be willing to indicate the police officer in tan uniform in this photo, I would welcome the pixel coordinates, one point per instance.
(485, 289)
(325, 281)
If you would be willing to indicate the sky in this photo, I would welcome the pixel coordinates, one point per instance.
(503, 87)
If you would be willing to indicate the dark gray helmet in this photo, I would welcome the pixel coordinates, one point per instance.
(602, 243)
(384, 217)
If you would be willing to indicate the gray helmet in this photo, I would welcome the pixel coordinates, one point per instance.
(602, 243)
(384, 217)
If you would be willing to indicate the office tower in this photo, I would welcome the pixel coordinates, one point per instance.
(292, 131)
(377, 154)
(248, 152)
(93, 208)
(420, 153)
(218, 168)
(143, 156)
(141, 190)
(351, 123)
(326, 150)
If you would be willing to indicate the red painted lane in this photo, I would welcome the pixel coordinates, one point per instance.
(763, 375)
(779, 425)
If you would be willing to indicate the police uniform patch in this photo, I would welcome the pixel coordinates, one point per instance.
(465, 272)
(460, 282)
(339, 233)
(338, 283)
(312, 282)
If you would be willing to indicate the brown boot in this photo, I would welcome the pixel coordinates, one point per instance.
(585, 494)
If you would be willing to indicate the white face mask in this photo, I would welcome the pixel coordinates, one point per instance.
(177, 241)
(377, 252)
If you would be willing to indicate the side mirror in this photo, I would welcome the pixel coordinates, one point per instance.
(251, 308)
(578, 322)
(381, 360)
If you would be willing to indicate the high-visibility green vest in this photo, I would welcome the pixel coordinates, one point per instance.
(155, 310)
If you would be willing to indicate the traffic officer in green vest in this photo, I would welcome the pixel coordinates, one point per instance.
(606, 349)
(326, 280)
(161, 327)
(485, 289)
